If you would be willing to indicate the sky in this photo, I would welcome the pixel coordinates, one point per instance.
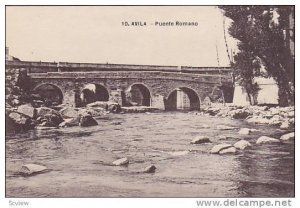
(95, 34)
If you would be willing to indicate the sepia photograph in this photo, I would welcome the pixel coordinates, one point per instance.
(150, 101)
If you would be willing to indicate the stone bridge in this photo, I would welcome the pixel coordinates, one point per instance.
(162, 87)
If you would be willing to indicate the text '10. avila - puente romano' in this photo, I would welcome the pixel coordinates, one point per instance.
(161, 87)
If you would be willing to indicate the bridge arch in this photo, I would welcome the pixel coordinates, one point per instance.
(138, 94)
(51, 94)
(183, 98)
(93, 92)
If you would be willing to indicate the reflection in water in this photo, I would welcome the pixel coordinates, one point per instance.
(80, 160)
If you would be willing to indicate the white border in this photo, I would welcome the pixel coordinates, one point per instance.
(124, 202)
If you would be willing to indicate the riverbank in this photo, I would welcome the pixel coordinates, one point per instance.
(26, 117)
(282, 117)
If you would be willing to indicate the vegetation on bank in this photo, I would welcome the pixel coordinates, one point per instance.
(266, 38)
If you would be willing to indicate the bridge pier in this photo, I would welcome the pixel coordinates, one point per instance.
(158, 101)
(117, 96)
(70, 98)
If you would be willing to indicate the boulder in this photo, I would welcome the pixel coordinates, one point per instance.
(259, 108)
(95, 112)
(101, 104)
(31, 169)
(291, 114)
(27, 110)
(45, 127)
(276, 120)
(107, 105)
(179, 153)
(68, 112)
(217, 148)
(229, 150)
(254, 130)
(268, 116)
(70, 122)
(239, 114)
(19, 118)
(244, 131)
(212, 111)
(87, 120)
(122, 161)
(223, 127)
(15, 102)
(200, 140)
(265, 139)
(19, 122)
(275, 111)
(42, 111)
(258, 120)
(222, 137)
(49, 120)
(242, 144)
(285, 125)
(116, 123)
(150, 169)
(288, 136)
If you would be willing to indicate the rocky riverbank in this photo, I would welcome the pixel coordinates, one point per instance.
(27, 117)
(283, 117)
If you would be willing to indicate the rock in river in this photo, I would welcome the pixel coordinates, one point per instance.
(242, 144)
(240, 113)
(265, 139)
(217, 148)
(179, 153)
(229, 150)
(49, 120)
(122, 161)
(285, 125)
(42, 111)
(87, 120)
(288, 136)
(223, 127)
(45, 127)
(30, 169)
(70, 122)
(101, 104)
(150, 169)
(19, 122)
(69, 112)
(48, 117)
(244, 131)
(27, 110)
(107, 105)
(200, 140)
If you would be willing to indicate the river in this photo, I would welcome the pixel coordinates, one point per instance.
(80, 158)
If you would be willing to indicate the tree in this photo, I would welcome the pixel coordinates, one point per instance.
(264, 34)
(246, 68)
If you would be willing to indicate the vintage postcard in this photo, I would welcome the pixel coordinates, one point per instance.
(150, 101)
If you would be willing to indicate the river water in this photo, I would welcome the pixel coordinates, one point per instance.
(80, 158)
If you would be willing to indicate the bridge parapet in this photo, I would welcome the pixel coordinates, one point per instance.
(148, 75)
(44, 67)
